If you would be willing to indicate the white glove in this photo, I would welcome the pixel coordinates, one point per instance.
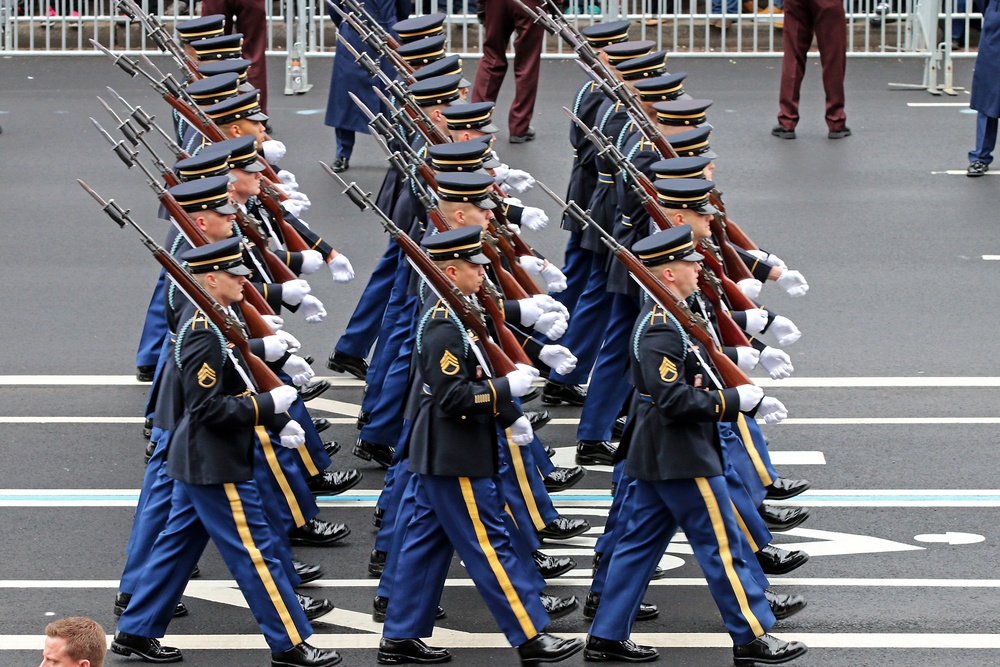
(283, 398)
(293, 206)
(300, 371)
(521, 433)
(793, 282)
(558, 358)
(292, 436)
(534, 218)
(312, 309)
(514, 229)
(772, 410)
(292, 343)
(520, 379)
(500, 173)
(311, 261)
(274, 347)
(776, 362)
(517, 181)
(784, 330)
(293, 291)
(533, 265)
(747, 357)
(274, 322)
(750, 287)
(756, 320)
(773, 260)
(530, 311)
(341, 269)
(549, 305)
(552, 325)
(513, 201)
(274, 150)
(555, 280)
(288, 179)
(750, 395)
(304, 202)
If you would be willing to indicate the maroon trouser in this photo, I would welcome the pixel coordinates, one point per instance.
(504, 18)
(251, 20)
(825, 19)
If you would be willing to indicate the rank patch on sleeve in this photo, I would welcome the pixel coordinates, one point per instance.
(449, 363)
(668, 370)
(206, 376)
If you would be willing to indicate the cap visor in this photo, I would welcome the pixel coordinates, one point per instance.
(707, 209)
(254, 167)
(464, 83)
(478, 258)
(486, 203)
(240, 270)
(260, 115)
(225, 209)
(245, 88)
(693, 257)
(458, 101)
(491, 163)
(710, 154)
(232, 179)
(489, 128)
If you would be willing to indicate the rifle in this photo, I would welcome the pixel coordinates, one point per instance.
(470, 313)
(147, 122)
(358, 9)
(163, 39)
(694, 324)
(230, 327)
(377, 42)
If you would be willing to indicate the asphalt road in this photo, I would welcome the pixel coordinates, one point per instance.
(893, 249)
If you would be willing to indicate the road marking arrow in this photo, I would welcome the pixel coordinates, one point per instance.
(951, 538)
(843, 544)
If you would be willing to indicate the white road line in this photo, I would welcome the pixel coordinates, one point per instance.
(852, 421)
(937, 104)
(126, 380)
(991, 258)
(961, 172)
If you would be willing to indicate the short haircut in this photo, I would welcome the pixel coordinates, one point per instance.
(85, 639)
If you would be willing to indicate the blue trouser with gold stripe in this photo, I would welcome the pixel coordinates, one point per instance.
(465, 513)
(701, 508)
(587, 322)
(233, 517)
(524, 486)
(364, 324)
(298, 504)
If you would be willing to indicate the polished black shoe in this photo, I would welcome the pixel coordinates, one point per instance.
(557, 607)
(146, 648)
(780, 519)
(538, 418)
(552, 566)
(147, 428)
(345, 363)
(363, 418)
(774, 560)
(122, 600)
(546, 648)
(314, 607)
(532, 394)
(563, 528)
(769, 650)
(372, 451)
(306, 571)
(144, 373)
(618, 430)
(784, 488)
(647, 610)
(557, 393)
(561, 479)
(195, 573)
(379, 605)
(333, 482)
(550, 451)
(331, 447)
(782, 605)
(977, 168)
(318, 533)
(610, 650)
(600, 453)
(305, 655)
(309, 359)
(782, 133)
(321, 424)
(377, 516)
(376, 563)
(401, 651)
(310, 391)
(341, 164)
(839, 134)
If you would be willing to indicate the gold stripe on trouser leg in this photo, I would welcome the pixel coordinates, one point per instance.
(712, 505)
(240, 519)
(758, 464)
(523, 485)
(743, 527)
(279, 475)
(491, 557)
(506, 508)
(307, 460)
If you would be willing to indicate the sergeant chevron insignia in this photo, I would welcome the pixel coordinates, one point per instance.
(668, 370)
(206, 376)
(449, 363)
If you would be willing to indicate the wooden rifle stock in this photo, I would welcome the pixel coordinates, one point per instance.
(279, 271)
(506, 339)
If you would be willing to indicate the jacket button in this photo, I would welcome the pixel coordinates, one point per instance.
(463, 416)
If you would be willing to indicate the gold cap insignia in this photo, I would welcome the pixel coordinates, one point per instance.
(449, 363)
(206, 376)
(668, 370)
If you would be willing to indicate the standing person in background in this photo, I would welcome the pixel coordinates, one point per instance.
(827, 21)
(986, 90)
(250, 18)
(74, 642)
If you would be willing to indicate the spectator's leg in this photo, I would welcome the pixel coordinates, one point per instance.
(831, 36)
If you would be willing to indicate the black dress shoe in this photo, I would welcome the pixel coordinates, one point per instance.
(782, 605)
(321, 424)
(122, 600)
(314, 607)
(647, 610)
(768, 650)
(546, 648)
(345, 363)
(400, 651)
(610, 650)
(305, 655)
(195, 573)
(147, 428)
(144, 373)
(784, 488)
(538, 418)
(363, 418)
(318, 533)
(145, 647)
(550, 451)
(780, 519)
(376, 563)
(557, 607)
(377, 516)
(308, 359)
(341, 164)
(976, 169)
(379, 605)
(331, 447)
(310, 391)
(372, 451)
(618, 430)
(306, 571)
(532, 394)
(590, 453)
(557, 393)
(563, 528)
(552, 566)
(333, 482)
(839, 134)
(780, 561)
(782, 133)
(561, 479)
